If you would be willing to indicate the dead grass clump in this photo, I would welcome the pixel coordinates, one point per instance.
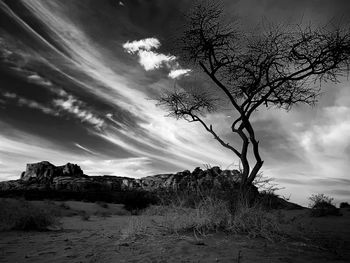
(23, 215)
(208, 216)
(256, 222)
(138, 226)
(211, 215)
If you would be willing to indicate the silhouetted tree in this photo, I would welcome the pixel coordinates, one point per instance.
(279, 67)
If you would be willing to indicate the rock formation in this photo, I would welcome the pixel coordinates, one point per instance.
(45, 172)
(45, 180)
(70, 177)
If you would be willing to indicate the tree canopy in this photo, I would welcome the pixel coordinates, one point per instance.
(279, 67)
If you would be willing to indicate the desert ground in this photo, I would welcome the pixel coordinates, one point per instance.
(100, 232)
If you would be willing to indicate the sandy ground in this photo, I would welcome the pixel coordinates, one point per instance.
(103, 239)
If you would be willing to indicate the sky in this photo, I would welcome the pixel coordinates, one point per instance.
(78, 81)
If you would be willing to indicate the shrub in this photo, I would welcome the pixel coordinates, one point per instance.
(134, 201)
(255, 221)
(212, 215)
(322, 205)
(209, 215)
(22, 215)
(344, 205)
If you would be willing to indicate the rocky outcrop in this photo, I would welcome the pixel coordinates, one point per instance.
(45, 180)
(213, 178)
(44, 172)
(69, 179)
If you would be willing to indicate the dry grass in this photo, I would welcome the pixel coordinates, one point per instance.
(210, 215)
(257, 222)
(22, 215)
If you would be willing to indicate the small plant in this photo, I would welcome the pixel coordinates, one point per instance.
(322, 205)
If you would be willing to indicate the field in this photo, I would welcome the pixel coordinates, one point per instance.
(101, 232)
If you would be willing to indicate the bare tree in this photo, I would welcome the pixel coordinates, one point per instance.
(279, 67)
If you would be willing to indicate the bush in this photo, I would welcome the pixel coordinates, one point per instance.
(209, 215)
(212, 215)
(22, 215)
(255, 221)
(344, 205)
(322, 205)
(134, 201)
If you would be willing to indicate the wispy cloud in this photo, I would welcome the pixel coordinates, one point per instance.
(79, 110)
(85, 149)
(35, 78)
(23, 102)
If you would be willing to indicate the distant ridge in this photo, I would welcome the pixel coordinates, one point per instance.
(45, 180)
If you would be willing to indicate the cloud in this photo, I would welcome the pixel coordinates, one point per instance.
(151, 60)
(174, 74)
(84, 148)
(76, 108)
(21, 101)
(34, 78)
(143, 44)
(331, 135)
